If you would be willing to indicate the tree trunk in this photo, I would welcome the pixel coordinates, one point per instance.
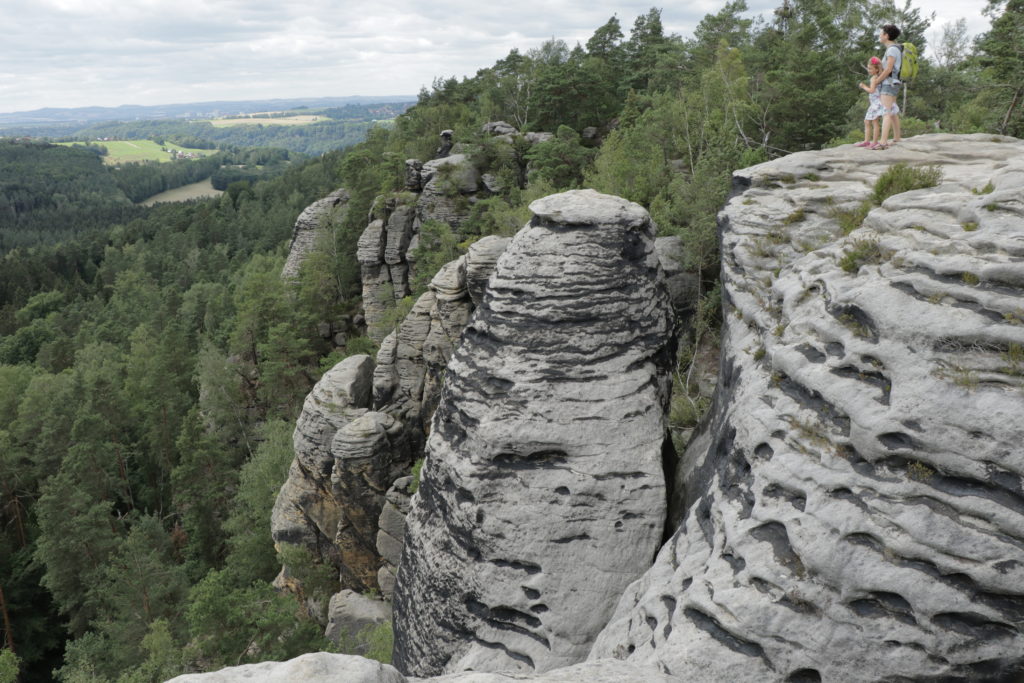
(1009, 112)
(9, 635)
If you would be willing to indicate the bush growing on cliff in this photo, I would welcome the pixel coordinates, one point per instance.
(900, 178)
(560, 161)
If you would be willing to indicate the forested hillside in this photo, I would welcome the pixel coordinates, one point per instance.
(50, 193)
(310, 139)
(151, 368)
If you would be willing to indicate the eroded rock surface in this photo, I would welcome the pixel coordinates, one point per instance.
(350, 616)
(543, 493)
(304, 232)
(329, 668)
(855, 504)
(305, 512)
(316, 667)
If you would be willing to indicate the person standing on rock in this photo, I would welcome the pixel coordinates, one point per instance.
(890, 88)
(875, 110)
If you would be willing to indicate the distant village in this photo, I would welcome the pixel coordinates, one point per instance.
(179, 154)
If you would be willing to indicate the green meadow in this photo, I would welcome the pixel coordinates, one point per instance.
(124, 151)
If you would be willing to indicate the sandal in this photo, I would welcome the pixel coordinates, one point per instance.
(878, 145)
(863, 144)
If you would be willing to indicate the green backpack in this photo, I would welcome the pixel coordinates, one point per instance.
(909, 66)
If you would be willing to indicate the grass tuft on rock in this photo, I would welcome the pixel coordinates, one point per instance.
(901, 178)
(860, 253)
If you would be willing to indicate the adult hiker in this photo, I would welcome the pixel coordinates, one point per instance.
(890, 88)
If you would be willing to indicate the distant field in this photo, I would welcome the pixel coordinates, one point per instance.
(124, 151)
(204, 188)
(297, 120)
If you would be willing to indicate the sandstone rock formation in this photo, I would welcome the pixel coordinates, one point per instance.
(855, 501)
(316, 667)
(391, 533)
(369, 453)
(304, 232)
(362, 427)
(350, 615)
(443, 189)
(328, 668)
(543, 493)
(381, 252)
(305, 512)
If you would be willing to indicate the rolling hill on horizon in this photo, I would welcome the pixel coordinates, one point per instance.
(57, 115)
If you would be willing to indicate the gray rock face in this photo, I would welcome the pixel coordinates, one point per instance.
(543, 493)
(534, 138)
(304, 232)
(316, 667)
(327, 668)
(347, 457)
(681, 283)
(480, 261)
(855, 506)
(305, 512)
(382, 254)
(446, 183)
(499, 128)
(391, 533)
(600, 671)
(413, 182)
(369, 453)
(349, 615)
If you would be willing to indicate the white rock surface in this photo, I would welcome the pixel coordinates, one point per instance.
(543, 493)
(316, 667)
(328, 668)
(599, 671)
(855, 503)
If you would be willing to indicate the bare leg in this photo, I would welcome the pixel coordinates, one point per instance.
(874, 130)
(887, 125)
(897, 133)
(867, 128)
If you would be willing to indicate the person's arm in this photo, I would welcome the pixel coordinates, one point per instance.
(890, 62)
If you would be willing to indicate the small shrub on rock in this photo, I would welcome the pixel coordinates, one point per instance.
(902, 178)
(860, 253)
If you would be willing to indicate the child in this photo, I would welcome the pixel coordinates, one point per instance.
(875, 109)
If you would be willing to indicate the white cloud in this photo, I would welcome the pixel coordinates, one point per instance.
(64, 53)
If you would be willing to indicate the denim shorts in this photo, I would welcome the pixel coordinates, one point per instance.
(889, 89)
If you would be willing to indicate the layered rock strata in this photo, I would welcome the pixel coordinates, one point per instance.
(321, 667)
(361, 428)
(855, 508)
(442, 189)
(381, 252)
(351, 616)
(391, 533)
(305, 230)
(306, 513)
(543, 493)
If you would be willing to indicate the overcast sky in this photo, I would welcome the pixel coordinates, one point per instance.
(74, 53)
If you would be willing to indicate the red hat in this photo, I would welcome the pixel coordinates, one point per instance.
(874, 60)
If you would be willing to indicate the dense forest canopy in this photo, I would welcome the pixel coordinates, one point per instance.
(152, 365)
(49, 193)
